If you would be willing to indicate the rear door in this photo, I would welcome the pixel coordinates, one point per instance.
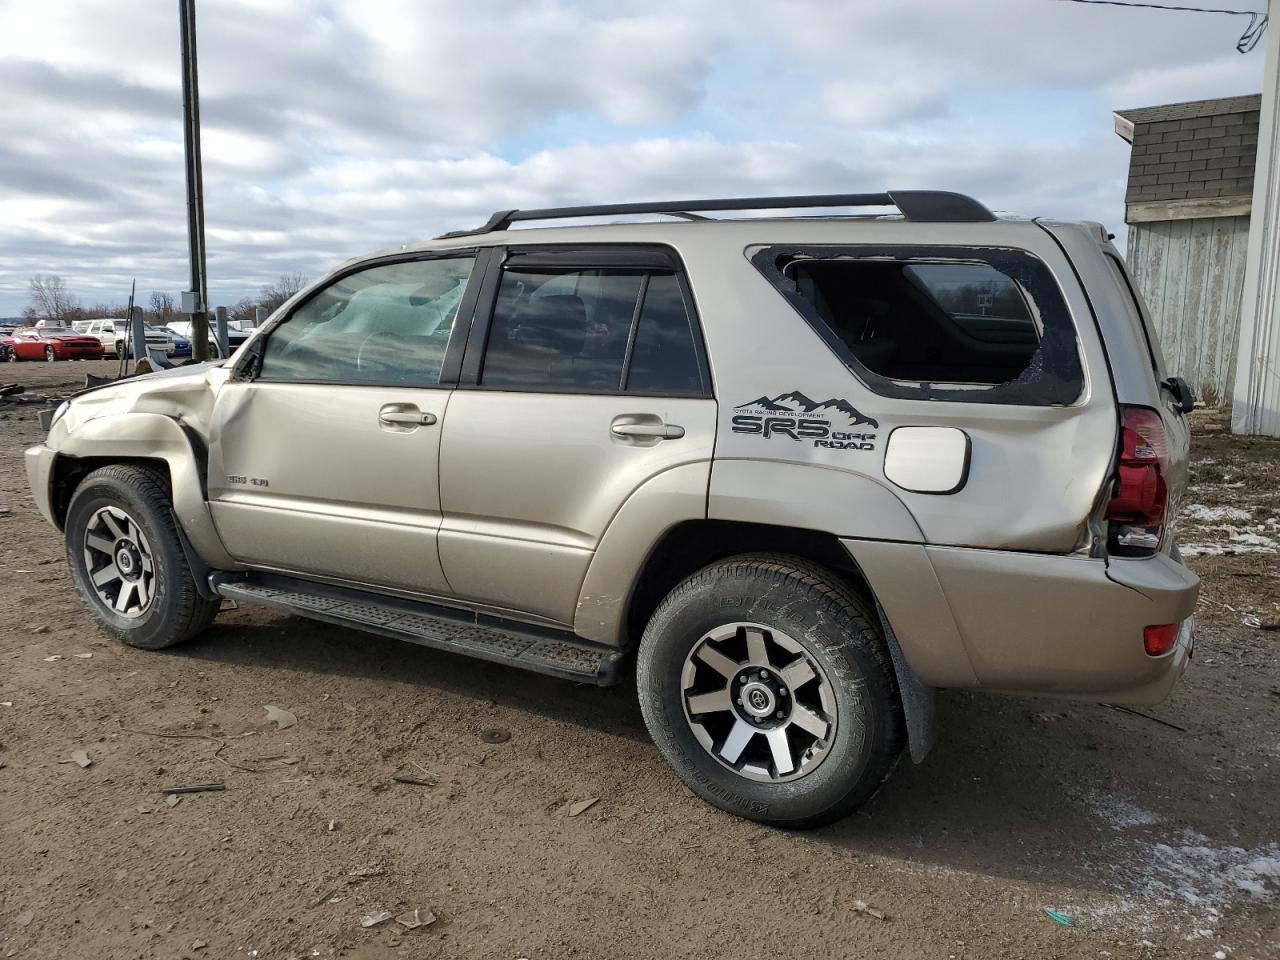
(324, 450)
(584, 380)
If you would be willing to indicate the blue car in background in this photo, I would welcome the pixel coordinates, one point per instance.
(181, 345)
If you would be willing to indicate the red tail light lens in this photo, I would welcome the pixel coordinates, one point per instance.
(1140, 496)
(1160, 640)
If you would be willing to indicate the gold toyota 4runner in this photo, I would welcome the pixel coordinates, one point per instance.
(801, 472)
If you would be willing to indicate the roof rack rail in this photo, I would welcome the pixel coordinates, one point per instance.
(922, 206)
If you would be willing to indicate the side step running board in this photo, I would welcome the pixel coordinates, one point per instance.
(543, 650)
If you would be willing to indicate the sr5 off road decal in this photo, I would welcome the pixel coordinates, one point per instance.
(832, 424)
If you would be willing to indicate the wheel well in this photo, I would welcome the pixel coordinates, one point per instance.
(68, 472)
(690, 546)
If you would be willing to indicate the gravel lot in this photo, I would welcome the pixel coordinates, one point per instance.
(1153, 837)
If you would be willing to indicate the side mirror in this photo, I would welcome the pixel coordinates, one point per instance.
(1185, 400)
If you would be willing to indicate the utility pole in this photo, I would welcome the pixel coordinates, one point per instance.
(1256, 401)
(196, 300)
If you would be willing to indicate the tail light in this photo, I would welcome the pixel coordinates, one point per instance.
(1160, 640)
(1140, 495)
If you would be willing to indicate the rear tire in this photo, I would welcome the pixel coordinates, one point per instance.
(766, 684)
(49, 354)
(127, 561)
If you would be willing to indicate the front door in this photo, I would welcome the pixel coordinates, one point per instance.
(324, 453)
(591, 383)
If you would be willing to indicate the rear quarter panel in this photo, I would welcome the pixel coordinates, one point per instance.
(1035, 471)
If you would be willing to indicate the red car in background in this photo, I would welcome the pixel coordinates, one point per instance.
(49, 343)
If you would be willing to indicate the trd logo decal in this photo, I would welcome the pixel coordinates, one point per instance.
(796, 417)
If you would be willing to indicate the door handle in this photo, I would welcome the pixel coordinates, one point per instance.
(405, 418)
(647, 431)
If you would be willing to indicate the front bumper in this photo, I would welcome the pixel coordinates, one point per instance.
(39, 461)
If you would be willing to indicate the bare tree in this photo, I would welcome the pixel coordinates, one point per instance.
(162, 308)
(51, 301)
(274, 294)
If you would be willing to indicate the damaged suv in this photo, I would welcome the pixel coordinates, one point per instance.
(800, 472)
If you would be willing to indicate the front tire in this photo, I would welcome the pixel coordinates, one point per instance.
(50, 355)
(766, 684)
(127, 561)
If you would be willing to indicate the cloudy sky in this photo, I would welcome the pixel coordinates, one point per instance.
(334, 127)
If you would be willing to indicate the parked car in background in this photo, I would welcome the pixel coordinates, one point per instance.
(235, 337)
(50, 343)
(181, 343)
(115, 337)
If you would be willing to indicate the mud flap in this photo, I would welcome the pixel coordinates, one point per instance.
(919, 702)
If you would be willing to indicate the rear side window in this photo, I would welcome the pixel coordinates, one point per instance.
(592, 330)
(987, 325)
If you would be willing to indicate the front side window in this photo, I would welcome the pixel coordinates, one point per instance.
(388, 324)
(986, 325)
(597, 330)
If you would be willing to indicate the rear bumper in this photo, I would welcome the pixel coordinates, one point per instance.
(1039, 624)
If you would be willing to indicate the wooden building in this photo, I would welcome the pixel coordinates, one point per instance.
(1187, 207)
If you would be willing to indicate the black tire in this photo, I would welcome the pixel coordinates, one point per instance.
(122, 349)
(836, 628)
(176, 611)
(49, 355)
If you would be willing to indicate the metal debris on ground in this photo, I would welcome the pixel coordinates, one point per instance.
(196, 788)
(173, 800)
(864, 908)
(495, 735)
(416, 781)
(415, 919)
(1145, 716)
(373, 919)
(1057, 917)
(582, 806)
(80, 758)
(283, 718)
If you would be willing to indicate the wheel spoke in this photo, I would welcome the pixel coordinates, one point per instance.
(95, 542)
(106, 575)
(122, 598)
(757, 652)
(113, 527)
(806, 719)
(712, 702)
(143, 594)
(718, 662)
(797, 674)
(781, 750)
(737, 741)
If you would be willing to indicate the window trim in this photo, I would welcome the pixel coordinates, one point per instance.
(645, 258)
(449, 370)
(1054, 376)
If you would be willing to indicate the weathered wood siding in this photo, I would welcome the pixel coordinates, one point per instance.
(1191, 273)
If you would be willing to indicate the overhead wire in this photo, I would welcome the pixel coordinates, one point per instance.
(1248, 40)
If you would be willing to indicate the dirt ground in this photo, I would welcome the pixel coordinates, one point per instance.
(1152, 837)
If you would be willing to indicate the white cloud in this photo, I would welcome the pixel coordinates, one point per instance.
(331, 129)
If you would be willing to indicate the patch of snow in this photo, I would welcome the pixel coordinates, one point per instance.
(1198, 511)
(1254, 539)
(1119, 813)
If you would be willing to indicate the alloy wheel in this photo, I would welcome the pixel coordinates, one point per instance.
(758, 702)
(49, 354)
(118, 562)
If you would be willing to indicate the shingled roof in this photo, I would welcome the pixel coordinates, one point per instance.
(1194, 150)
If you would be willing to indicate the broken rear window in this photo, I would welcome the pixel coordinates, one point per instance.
(985, 325)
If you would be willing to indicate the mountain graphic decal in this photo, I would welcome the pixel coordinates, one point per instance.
(796, 402)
